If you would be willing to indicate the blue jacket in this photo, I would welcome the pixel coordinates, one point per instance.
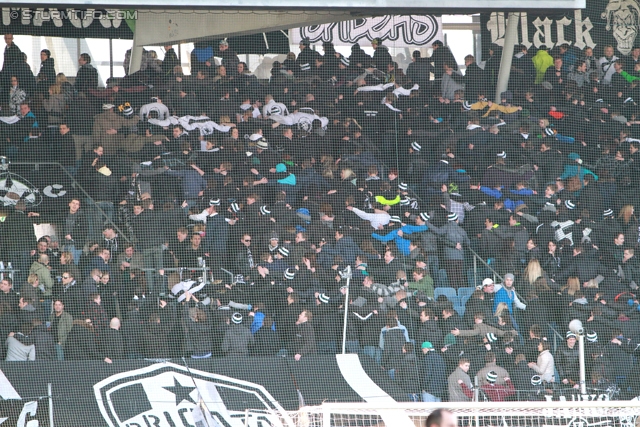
(504, 296)
(289, 180)
(496, 194)
(572, 170)
(508, 203)
(401, 243)
(523, 192)
(258, 320)
(564, 138)
(284, 177)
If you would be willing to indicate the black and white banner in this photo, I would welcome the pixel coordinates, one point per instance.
(18, 411)
(46, 190)
(395, 30)
(140, 393)
(24, 413)
(603, 22)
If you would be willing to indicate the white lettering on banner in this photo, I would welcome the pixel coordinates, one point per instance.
(525, 30)
(6, 16)
(603, 397)
(317, 32)
(560, 24)
(546, 35)
(46, 16)
(54, 191)
(497, 27)
(29, 408)
(8, 393)
(583, 38)
(405, 30)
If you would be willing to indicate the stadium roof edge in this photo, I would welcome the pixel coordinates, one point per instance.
(431, 6)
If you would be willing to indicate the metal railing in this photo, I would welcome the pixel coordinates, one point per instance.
(180, 270)
(558, 389)
(477, 258)
(76, 185)
(557, 336)
(9, 271)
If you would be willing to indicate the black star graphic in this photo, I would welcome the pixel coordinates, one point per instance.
(181, 392)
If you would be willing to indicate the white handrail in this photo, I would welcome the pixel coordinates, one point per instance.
(502, 406)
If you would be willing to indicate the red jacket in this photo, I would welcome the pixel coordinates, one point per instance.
(498, 393)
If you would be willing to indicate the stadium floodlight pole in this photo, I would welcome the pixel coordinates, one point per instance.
(510, 39)
(345, 274)
(576, 327)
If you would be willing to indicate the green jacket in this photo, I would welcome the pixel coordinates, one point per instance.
(542, 61)
(425, 285)
(383, 201)
(44, 276)
(64, 326)
(628, 77)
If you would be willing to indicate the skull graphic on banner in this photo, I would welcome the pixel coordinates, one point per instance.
(623, 19)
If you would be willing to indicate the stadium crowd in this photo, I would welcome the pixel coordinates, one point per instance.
(274, 187)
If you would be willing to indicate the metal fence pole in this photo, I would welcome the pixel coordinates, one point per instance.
(49, 394)
(583, 382)
(346, 273)
(475, 270)
(326, 417)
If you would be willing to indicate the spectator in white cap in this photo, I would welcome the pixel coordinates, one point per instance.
(107, 128)
(495, 391)
(238, 338)
(567, 362)
(325, 320)
(499, 373)
(487, 284)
